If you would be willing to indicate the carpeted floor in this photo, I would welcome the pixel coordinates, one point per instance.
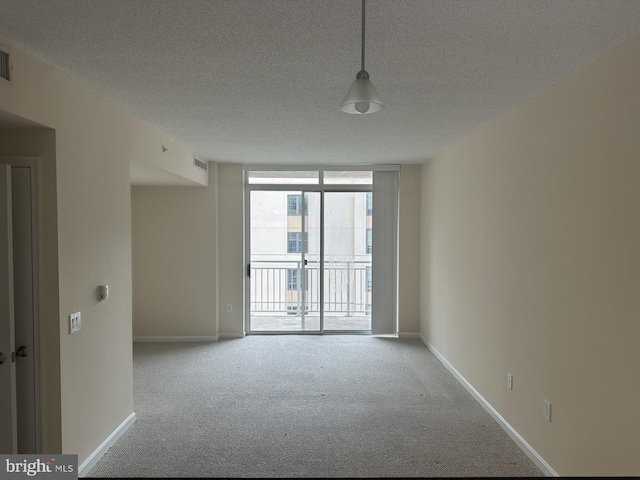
(305, 406)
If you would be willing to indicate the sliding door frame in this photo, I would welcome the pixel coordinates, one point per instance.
(302, 188)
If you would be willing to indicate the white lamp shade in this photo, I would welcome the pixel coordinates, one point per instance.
(362, 98)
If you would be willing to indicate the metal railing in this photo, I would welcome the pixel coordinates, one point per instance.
(279, 287)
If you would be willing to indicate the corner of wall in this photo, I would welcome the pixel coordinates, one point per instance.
(213, 183)
(231, 242)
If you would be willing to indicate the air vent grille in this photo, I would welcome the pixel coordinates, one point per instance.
(5, 65)
(200, 164)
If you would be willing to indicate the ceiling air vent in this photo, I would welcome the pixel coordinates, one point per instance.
(5, 65)
(199, 164)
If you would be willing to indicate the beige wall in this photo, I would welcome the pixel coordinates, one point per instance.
(231, 248)
(177, 160)
(92, 176)
(530, 265)
(94, 244)
(41, 142)
(409, 249)
(94, 145)
(177, 296)
(174, 260)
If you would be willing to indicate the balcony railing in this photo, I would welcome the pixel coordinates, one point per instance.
(276, 289)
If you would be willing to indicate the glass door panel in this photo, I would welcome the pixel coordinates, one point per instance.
(284, 291)
(347, 261)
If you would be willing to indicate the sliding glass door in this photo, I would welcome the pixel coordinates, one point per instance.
(347, 261)
(314, 262)
(284, 269)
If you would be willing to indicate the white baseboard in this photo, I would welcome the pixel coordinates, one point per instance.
(175, 339)
(515, 436)
(90, 462)
(231, 335)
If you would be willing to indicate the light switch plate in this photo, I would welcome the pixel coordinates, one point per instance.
(74, 322)
(547, 410)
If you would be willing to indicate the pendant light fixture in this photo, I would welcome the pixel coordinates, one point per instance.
(362, 96)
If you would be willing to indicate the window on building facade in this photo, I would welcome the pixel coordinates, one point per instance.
(369, 279)
(293, 279)
(294, 205)
(369, 203)
(369, 245)
(294, 242)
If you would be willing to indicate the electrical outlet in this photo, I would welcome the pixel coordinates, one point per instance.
(509, 381)
(229, 308)
(547, 410)
(74, 322)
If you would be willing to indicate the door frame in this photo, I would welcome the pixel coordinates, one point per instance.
(33, 163)
(302, 188)
(9, 440)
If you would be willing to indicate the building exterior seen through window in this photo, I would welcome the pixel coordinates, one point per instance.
(284, 244)
(294, 277)
(294, 242)
(294, 204)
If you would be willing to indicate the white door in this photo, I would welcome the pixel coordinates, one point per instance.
(8, 415)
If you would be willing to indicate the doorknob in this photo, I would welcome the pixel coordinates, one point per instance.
(3, 358)
(22, 351)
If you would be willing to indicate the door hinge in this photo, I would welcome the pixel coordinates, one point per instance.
(249, 270)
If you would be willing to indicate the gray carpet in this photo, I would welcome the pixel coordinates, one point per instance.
(305, 406)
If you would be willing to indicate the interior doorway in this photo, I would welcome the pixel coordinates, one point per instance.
(19, 346)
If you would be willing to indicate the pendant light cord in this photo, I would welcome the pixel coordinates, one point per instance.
(362, 66)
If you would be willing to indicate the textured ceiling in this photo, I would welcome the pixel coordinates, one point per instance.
(261, 80)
